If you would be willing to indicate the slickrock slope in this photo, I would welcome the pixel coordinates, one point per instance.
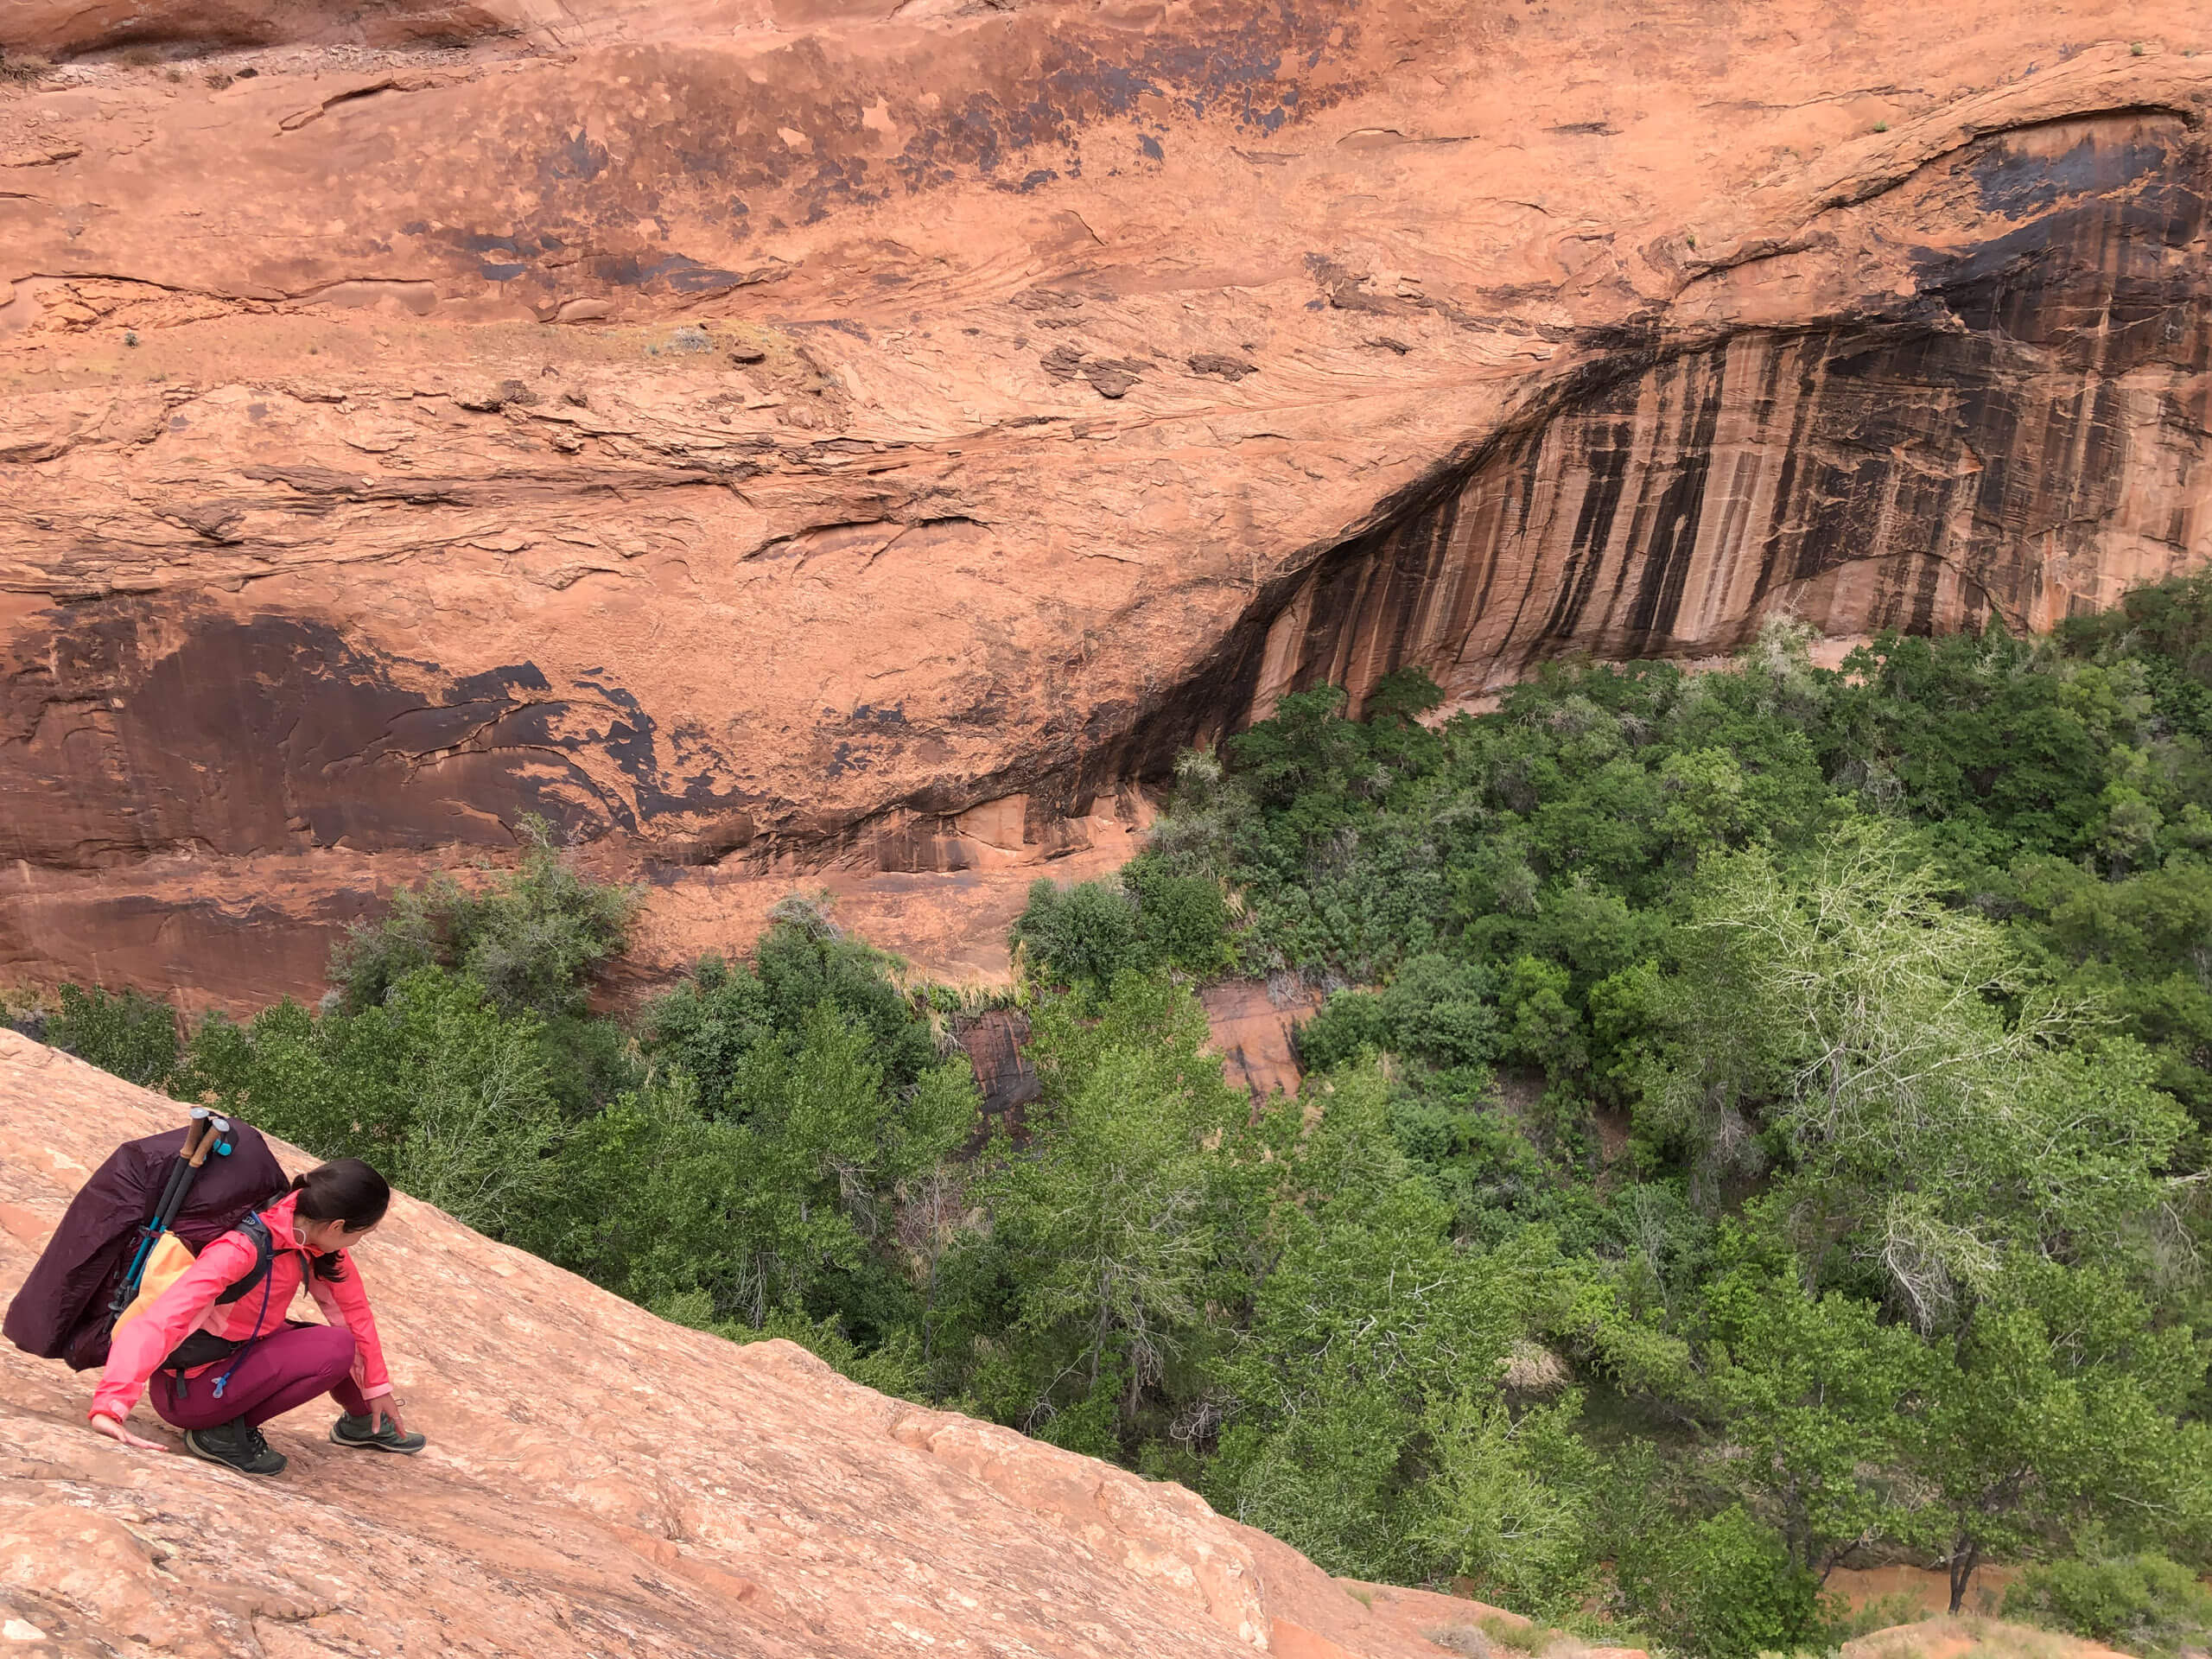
(774, 436)
(598, 1482)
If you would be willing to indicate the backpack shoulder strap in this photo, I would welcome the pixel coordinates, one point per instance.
(265, 1255)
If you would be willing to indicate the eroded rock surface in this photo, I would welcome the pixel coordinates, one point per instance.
(597, 1481)
(1255, 1031)
(780, 438)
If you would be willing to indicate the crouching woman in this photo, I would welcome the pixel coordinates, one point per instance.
(222, 1356)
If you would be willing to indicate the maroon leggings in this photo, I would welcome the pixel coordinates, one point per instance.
(286, 1368)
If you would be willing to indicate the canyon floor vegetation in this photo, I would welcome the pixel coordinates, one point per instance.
(1759, 1124)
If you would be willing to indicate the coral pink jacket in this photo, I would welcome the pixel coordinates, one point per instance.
(189, 1305)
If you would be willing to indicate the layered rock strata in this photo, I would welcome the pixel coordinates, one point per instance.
(781, 442)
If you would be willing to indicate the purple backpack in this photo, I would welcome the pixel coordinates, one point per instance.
(63, 1309)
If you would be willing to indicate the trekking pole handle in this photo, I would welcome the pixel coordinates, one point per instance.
(195, 1150)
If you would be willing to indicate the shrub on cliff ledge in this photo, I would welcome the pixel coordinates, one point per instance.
(533, 939)
(1085, 934)
(1154, 915)
(723, 1011)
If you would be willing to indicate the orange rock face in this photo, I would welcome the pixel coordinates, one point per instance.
(1254, 1029)
(597, 1481)
(788, 441)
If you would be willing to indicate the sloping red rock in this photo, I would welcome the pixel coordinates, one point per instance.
(597, 1481)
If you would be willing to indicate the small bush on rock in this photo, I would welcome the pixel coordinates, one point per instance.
(533, 939)
(2146, 1603)
(1085, 934)
(1183, 917)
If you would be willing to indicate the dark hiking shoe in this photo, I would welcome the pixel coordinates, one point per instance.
(375, 1433)
(235, 1444)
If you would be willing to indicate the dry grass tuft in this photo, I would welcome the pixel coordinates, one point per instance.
(1532, 1369)
(1463, 1639)
(1966, 1637)
(1493, 1638)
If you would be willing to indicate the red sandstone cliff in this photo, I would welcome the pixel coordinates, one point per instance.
(775, 438)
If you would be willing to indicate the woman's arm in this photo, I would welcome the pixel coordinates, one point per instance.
(141, 1343)
(345, 1300)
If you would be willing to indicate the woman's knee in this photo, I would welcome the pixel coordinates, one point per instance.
(330, 1350)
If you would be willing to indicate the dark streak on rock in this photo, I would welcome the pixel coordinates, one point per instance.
(1993, 398)
(275, 732)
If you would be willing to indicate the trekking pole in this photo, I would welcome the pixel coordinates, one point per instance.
(196, 1140)
(211, 1139)
(199, 1134)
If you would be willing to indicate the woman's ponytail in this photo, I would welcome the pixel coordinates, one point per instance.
(345, 1189)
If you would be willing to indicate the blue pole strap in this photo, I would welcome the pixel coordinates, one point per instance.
(267, 1283)
(149, 1235)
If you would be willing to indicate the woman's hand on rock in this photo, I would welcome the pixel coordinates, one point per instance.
(113, 1428)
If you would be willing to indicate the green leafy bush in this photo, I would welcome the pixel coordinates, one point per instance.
(127, 1032)
(712, 1024)
(1183, 920)
(1724, 1587)
(2146, 1603)
(1434, 1009)
(1351, 1023)
(1086, 934)
(532, 937)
